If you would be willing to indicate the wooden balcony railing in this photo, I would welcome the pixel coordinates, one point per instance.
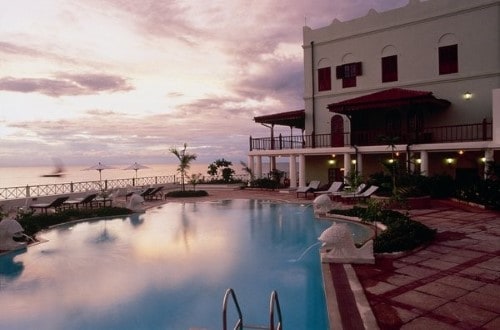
(437, 134)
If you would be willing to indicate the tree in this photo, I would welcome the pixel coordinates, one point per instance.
(185, 160)
(225, 171)
(195, 179)
(249, 171)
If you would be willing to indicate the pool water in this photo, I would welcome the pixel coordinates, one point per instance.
(169, 268)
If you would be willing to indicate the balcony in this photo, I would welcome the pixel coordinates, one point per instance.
(436, 134)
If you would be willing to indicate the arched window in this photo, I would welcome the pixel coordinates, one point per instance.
(448, 54)
(389, 64)
(324, 75)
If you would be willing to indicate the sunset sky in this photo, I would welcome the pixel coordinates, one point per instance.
(125, 80)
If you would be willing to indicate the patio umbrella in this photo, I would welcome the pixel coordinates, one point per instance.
(135, 166)
(99, 167)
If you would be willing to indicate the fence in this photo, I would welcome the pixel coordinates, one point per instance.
(79, 187)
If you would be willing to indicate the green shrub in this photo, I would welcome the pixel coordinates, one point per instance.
(402, 233)
(485, 192)
(33, 223)
(265, 183)
(441, 186)
(187, 193)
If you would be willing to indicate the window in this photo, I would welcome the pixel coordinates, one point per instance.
(324, 79)
(448, 59)
(348, 73)
(390, 68)
(349, 82)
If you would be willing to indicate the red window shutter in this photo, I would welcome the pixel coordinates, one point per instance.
(349, 82)
(324, 79)
(448, 59)
(359, 70)
(390, 68)
(340, 71)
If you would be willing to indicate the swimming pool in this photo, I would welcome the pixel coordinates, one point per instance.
(169, 268)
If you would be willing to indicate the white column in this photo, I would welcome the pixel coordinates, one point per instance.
(302, 170)
(258, 167)
(424, 163)
(347, 164)
(488, 158)
(359, 164)
(293, 171)
(409, 162)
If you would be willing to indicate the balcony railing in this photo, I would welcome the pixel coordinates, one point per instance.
(437, 134)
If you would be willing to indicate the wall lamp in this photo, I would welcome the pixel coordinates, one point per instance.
(467, 95)
(449, 161)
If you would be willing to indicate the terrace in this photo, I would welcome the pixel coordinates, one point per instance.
(482, 131)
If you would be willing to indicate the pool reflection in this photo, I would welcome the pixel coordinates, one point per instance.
(168, 269)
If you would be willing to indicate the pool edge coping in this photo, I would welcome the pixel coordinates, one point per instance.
(362, 304)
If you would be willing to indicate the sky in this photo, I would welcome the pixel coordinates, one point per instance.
(119, 81)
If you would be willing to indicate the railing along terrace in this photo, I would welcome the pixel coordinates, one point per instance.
(437, 134)
(79, 187)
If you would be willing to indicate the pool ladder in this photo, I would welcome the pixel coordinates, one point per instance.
(274, 308)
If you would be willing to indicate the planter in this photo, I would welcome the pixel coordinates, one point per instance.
(412, 203)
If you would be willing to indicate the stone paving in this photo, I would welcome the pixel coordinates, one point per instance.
(454, 283)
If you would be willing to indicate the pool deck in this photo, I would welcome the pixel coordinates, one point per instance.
(453, 283)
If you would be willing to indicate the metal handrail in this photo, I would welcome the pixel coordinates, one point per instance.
(239, 323)
(274, 301)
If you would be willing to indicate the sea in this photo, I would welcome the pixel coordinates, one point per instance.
(33, 175)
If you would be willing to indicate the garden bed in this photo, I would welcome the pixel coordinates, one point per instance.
(411, 203)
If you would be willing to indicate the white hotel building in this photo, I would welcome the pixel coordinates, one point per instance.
(425, 76)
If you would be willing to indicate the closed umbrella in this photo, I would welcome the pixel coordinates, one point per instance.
(98, 167)
(135, 166)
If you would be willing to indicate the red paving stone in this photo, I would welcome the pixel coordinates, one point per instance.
(454, 283)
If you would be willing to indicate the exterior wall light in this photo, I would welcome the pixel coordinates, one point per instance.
(460, 152)
(449, 161)
(390, 161)
(467, 95)
(418, 160)
(353, 161)
(331, 161)
(483, 159)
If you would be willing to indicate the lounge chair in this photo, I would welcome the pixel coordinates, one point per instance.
(144, 193)
(55, 204)
(85, 201)
(360, 197)
(336, 186)
(359, 189)
(313, 185)
(155, 193)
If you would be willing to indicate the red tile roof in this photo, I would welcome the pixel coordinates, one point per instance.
(291, 118)
(389, 98)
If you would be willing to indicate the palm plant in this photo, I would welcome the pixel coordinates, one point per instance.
(391, 142)
(185, 160)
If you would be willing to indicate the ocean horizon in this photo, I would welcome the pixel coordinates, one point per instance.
(11, 176)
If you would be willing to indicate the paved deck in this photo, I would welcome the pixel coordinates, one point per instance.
(454, 283)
